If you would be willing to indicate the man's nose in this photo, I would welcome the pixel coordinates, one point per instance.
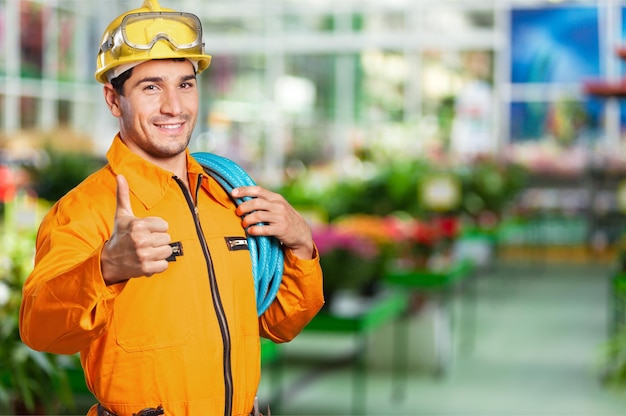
(171, 103)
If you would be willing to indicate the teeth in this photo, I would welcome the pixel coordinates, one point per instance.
(170, 126)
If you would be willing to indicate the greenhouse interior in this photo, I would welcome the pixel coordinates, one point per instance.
(461, 164)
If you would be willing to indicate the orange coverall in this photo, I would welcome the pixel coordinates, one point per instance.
(187, 338)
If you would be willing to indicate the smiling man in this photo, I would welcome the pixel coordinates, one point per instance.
(133, 267)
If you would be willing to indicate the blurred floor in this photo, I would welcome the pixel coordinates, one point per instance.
(536, 348)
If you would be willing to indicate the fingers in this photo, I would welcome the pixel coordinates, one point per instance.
(123, 207)
(254, 191)
(152, 225)
(138, 246)
(269, 214)
(260, 199)
(282, 221)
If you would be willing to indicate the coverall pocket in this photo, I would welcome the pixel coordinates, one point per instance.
(151, 315)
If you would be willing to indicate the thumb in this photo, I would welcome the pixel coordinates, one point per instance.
(123, 207)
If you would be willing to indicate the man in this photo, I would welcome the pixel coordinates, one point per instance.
(132, 267)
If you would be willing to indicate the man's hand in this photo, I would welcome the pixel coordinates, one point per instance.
(280, 218)
(138, 246)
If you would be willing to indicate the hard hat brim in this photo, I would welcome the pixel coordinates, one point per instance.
(203, 61)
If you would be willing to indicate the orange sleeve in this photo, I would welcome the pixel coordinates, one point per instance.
(298, 300)
(65, 302)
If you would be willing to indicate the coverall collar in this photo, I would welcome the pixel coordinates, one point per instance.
(149, 183)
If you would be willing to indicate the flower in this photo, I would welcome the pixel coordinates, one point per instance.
(329, 238)
(419, 239)
(379, 230)
(354, 252)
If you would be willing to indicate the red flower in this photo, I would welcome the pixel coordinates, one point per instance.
(329, 238)
(448, 226)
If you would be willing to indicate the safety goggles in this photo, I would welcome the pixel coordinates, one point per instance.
(141, 31)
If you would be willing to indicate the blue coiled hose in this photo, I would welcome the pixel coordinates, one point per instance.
(265, 252)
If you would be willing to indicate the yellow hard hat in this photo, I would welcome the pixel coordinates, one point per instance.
(150, 32)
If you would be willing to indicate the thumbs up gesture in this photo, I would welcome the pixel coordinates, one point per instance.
(138, 246)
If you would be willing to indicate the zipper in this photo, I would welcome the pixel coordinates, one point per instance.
(215, 297)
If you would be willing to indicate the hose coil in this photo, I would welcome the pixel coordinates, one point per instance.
(266, 252)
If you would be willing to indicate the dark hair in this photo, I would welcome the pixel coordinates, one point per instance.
(118, 81)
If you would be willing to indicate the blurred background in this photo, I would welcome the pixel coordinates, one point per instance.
(462, 164)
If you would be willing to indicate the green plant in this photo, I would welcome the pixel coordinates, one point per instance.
(62, 171)
(426, 243)
(31, 382)
(389, 187)
(355, 253)
(491, 186)
(614, 349)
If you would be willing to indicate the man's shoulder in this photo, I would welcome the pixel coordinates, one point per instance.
(97, 191)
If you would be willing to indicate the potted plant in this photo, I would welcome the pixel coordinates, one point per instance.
(425, 242)
(355, 252)
(31, 382)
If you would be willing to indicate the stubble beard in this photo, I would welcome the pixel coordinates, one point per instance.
(171, 146)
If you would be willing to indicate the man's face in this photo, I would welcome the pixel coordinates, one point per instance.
(159, 108)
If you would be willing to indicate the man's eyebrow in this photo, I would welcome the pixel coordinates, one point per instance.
(157, 80)
(149, 79)
(189, 77)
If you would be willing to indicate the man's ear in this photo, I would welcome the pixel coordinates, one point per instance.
(111, 97)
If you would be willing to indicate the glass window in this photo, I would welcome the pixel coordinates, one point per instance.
(66, 34)
(29, 110)
(31, 39)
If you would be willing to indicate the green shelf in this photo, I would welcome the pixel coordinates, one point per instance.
(269, 351)
(427, 279)
(380, 310)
